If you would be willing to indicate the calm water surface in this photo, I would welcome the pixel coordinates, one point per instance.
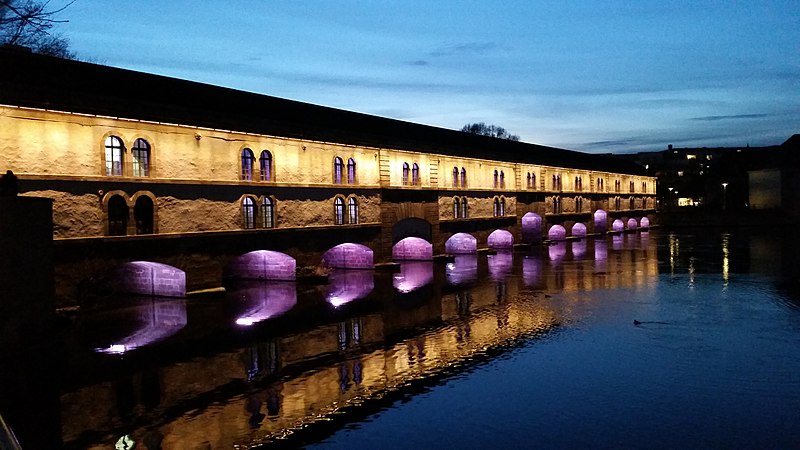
(647, 340)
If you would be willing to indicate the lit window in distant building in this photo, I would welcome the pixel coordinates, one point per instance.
(680, 173)
(415, 174)
(249, 212)
(338, 168)
(338, 211)
(405, 173)
(352, 210)
(140, 153)
(708, 157)
(248, 160)
(267, 213)
(114, 152)
(351, 171)
(265, 166)
(691, 156)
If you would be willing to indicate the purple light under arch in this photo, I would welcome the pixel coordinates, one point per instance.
(532, 271)
(463, 270)
(413, 275)
(345, 286)
(412, 249)
(348, 256)
(557, 251)
(579, 230)
(578, 249)
(460, 244)
(600, 256)
(500, 239)
(531, 227)
(557, 233)
(632, 224)
(258, 302)
(149, 278)
(617, 242)
(500, 265)
(618, 225)
(263, 265)
(644, 223)
(600, 221)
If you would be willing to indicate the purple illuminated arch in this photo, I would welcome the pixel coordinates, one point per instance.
(600, 221)
(531, 227)
(348, 256)
(412, 249)
(579, 230)
(461, 243)
(632, 224)
(345, 286)
(263, 265)
(154, 320)
(463, 269)
(500, 264)
(500, 239)
(557, 233)
(149, 278)
(644, 223)
(578, 249)
(413, 275)
(618, 225)
(258, 302)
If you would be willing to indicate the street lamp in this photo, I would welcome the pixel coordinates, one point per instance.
(669, 199)
(724, 195)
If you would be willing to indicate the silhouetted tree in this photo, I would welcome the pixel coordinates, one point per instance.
(489, 130)
(29, 23)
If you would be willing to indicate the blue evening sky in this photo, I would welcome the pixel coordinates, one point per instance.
(611, 76)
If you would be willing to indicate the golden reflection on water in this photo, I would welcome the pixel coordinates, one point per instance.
(361, 358)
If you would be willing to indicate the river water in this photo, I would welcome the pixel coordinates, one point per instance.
(644, 340)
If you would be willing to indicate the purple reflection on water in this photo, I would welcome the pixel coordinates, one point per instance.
(532, 270)
(600, 256)
(500, 264)
(531, 227)
(557, 251)
(461, 243)
(632, 224)
(412, 249)
(263, 265)
(413, 275)
(150, 278)
(464, 269)
(348, 256)
(600, 220)
(257, 302)
(617, 242)
(618, 225)
(644, 223)
(578, 249)
(579, 230)
(500, 239)
(155, 320)
(344, 286)
(644, 237)
(557, 233)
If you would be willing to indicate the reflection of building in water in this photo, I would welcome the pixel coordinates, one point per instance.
(500, 264)
(350, 334)
(257, 302)
(463, 270)
(345, 286)
(413, 275)
(154, 321)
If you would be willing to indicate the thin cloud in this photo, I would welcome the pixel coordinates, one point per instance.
(419, 62)
(464, 47)
(730, 117)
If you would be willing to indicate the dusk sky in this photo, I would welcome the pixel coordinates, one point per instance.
(611, 76)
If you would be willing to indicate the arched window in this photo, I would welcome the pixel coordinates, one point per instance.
(558, 181)
(464, 208)
(529, 185)
(633, 203)
(644, 186)
(117, 216)
(249, 212)
(248, 160)
(617, 203)
(338, 211)
(338, 167)
(405, 174)
(143, 215)
(502, 180)
(351, 171)
(415, 174)
(632, 186)
(114, 153)
(556, 205)
(463, 177)
(456, 208)
(140, 154)
(267, 213)
(265, 165)
(554, 183)
(502, 206)
(533, 181)
(496, 209)
(495, 179)
(578, 204)
(352, 210)
(455, 176)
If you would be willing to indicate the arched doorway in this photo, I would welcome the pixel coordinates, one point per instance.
(412, 249)
(117, 216)
(531, 227)
(143, 215)
(600, 221)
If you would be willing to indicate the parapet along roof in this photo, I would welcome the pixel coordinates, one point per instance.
(39, 81)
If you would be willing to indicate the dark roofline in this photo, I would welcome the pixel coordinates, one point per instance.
(39, 81)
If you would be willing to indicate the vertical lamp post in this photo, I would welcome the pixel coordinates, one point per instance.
(724, 195)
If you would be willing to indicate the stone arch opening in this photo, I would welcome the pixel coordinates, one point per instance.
(644, 223)
(412, 249)
(632, 224)
(461, 244)
(557, 233)
(143, 214)
(500, 239)
(149, 278)
(600, 221)
(117, 216)
(262, 265)
(531, 227)
(578, 230)
(618, 225)
(411, 227)
(348, 256)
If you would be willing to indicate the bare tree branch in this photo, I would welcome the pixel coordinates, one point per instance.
(28, 23)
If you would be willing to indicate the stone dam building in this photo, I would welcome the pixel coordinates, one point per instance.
(193, 184)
